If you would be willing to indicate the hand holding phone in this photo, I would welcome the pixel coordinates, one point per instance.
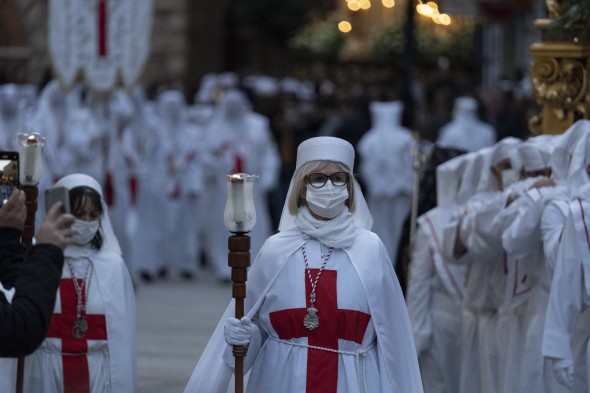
(8, 174)
(57, 194)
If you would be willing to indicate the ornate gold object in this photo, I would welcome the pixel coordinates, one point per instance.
(559, 76)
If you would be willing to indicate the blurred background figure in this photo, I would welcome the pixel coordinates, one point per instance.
(386, 170)
(465, 131)
(240, 141)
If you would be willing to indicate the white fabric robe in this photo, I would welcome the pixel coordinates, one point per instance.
(112, 364)
(376, 290)
(484, 285)
(523, 244)
(435, 300)
(386, 170)
(467, 133)
(143, 146)
(254, 144)
(569, 298)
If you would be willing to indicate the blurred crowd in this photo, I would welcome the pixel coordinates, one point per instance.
(161, 152)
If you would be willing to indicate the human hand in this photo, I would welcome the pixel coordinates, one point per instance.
(544, 182)
(56, 229)
(14, 212)
(563, 371)
(237, 331)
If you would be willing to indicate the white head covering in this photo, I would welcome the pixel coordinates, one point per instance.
(386, 115)
(501, 150)
(327, 148)
(449, 176)
(565, 144)
(80, 180)
(465, 107)
(578, 176)
(534, 154)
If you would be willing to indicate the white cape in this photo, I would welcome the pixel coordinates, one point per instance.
(398, 364)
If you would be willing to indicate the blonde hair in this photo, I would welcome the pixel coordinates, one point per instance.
(295, 201)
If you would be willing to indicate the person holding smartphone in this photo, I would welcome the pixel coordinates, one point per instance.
(26, 310)
(90, 344)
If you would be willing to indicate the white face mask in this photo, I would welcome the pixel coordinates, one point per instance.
(327, 201)
(85, 231)
(509, 177)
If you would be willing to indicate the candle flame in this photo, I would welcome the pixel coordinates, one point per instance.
(31, 139)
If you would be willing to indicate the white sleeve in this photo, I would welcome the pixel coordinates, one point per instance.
(552, 224)
(487, 227)
(523, 234)
(565, 299)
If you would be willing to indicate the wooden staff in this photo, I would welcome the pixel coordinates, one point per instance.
(31, 201)
(239, 260)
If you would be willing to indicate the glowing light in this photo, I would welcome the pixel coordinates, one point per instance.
(388, 3)
(432, 5)
(445, 19)
(353, 5)
(344, 26)
(365, 4)
(421, 9)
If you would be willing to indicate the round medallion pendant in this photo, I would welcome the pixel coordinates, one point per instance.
(311, 320)
(79, 329)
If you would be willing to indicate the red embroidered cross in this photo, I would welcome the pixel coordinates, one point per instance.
(102, 27)
(75, 367)
(335, 323)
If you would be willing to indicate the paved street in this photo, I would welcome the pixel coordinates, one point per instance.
(175, 319)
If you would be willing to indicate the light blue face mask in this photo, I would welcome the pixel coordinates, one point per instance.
(327, 201)
(85, 231)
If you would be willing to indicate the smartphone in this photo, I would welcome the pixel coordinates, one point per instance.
(57, 194)
(9, 174)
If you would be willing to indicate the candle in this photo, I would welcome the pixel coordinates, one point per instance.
(30, 155)
(30, 158)
(238, 199)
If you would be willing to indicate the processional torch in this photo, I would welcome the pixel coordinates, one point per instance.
(30, 171)
(239, 218)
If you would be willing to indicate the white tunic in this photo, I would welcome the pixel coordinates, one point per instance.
(276, 280)
(435, 295)
(44, 368)
(569, 297)
(111, 361)
(292, 280)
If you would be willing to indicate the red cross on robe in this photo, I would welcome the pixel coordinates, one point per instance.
(335, 324)
(75, 367)
(102, 18)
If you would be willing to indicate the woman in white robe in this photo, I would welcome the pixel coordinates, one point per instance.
(90, 344)
(363, 340)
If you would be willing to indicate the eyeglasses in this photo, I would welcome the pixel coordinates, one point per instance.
(317, 180)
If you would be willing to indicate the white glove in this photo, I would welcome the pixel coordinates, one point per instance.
(237, 332)
(563, 371)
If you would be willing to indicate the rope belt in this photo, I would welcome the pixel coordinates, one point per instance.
(359, 358)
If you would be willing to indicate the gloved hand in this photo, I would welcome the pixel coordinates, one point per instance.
(237, 332)
(563, 371)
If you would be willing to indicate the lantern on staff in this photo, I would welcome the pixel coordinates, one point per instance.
(30, 172)
(31, 168)
(239, 218)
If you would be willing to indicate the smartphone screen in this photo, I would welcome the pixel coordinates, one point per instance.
(9, 174)
(57, 194)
